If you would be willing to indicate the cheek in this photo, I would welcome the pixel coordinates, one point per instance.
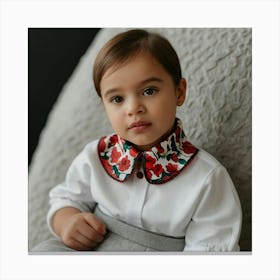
(165, 108)
(109, 111)
(114, 118)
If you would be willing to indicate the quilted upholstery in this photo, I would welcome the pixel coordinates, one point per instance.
(216, 115)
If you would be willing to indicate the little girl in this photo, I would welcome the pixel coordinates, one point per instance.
(146, 187)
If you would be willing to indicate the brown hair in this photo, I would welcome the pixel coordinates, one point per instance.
(125, 45)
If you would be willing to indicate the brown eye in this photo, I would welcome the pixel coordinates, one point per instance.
(150, 91)
(117, 99)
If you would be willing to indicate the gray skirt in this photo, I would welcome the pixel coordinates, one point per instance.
(121, 237)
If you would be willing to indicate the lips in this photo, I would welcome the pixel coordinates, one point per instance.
(139, 125)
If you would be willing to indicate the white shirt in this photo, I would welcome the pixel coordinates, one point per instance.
(201, 203)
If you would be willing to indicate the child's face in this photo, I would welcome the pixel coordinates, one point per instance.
(140, 100)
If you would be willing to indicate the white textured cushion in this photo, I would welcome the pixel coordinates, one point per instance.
(216, 115)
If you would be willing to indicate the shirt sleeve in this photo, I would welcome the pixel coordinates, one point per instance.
(75, 191)
(216, 222)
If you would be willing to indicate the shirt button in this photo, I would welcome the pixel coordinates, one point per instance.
(140, 174)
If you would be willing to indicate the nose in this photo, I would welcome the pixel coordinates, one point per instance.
(135, 106)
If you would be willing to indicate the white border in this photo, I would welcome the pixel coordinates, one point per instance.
(17, 16)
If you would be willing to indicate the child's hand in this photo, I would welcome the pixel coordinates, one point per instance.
(82, 231)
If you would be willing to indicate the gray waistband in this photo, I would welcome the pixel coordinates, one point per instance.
(144, 238)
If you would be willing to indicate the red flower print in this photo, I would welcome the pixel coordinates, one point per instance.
(174, 157)
(188, 148)
(150, 161)
(133, 152)
(171, 168)
(149, 174)
(115, 155)
(162, 163)
(157, 169)
(160, 149)
(114, 139)
(102, 145)
(124, 164)
(165, 179)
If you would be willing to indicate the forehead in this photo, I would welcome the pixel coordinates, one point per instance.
(137, 68)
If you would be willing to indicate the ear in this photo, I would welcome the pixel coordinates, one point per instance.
(181, 92)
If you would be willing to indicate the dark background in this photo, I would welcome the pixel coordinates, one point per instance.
(53, 53)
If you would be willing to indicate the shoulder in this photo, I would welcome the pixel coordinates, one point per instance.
(89, 152)
(91, 147)
(206, 165)
(207, 160)
(213, 172)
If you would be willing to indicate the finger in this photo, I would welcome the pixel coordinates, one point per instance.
(88, 243)
(77, 245)
(97, 224)
(90, 233)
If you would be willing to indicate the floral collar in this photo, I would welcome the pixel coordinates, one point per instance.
(161, 163)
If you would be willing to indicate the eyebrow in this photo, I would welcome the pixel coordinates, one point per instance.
(142, 83)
